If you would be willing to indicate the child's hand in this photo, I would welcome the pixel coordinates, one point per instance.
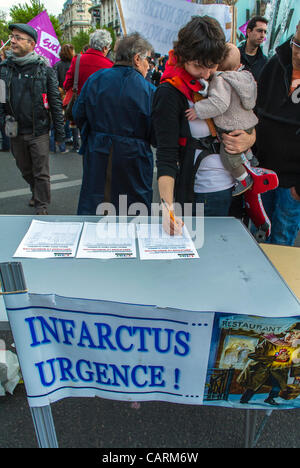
(191, 114)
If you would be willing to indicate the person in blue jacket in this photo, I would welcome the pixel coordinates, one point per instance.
(113, 112)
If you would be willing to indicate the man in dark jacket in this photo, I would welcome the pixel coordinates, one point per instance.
(31, 92)
(278, 138)
(252, 56)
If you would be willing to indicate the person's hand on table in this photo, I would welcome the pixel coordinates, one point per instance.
(172, 225)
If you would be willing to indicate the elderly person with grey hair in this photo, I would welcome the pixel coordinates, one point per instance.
(113, 112)
(92, 60)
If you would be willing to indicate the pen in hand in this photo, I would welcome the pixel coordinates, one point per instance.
(174, 225)
(171, 214)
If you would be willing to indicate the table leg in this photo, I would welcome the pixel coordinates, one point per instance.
(251, 418)
(44, 426)
(251, 435)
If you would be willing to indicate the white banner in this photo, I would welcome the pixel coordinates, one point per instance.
(71, 347)
(159, 21)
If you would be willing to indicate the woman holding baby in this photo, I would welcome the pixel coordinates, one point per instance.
(189, 166)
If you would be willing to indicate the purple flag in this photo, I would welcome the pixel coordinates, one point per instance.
(243, 28)
(47, 43)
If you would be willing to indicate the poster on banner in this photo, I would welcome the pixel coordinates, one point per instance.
(71, 347)
(159, 21)
(254, 361)
(47, 44)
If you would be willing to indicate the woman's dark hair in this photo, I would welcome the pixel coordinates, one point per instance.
(66, 52)
(202, 40)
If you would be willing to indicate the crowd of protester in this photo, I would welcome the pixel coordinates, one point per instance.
(203, 107)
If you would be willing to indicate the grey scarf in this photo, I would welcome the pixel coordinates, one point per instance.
(31, 57)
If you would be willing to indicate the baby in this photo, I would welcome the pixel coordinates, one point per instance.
(231, 98)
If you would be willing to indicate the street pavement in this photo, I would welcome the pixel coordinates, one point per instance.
(100, 423)
(66, 175)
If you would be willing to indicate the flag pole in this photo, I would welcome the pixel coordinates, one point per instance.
(4, 44)
(121, 17)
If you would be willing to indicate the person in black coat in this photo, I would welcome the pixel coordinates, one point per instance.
(32, 101)
(278, 138)
(156, 75)
(252, 56)
(184, 173)
(66, 54)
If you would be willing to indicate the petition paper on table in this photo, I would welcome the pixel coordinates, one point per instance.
(156, 244)
(50, 240)
(107, 240)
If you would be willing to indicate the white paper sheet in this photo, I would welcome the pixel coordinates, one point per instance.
(50, 239)
(156, 244)
(107, 240)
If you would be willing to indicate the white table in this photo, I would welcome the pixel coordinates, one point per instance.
(231, 275)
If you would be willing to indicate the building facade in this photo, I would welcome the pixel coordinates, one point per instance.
(75, 17)
(81, 15)
(105, 13)
(95, 12)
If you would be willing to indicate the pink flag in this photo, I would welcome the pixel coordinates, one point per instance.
(47, 43)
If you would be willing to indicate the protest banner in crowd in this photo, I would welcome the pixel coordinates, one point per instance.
(159, 21)
(47, 44)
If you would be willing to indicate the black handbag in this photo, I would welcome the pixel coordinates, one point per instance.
(69, 107)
